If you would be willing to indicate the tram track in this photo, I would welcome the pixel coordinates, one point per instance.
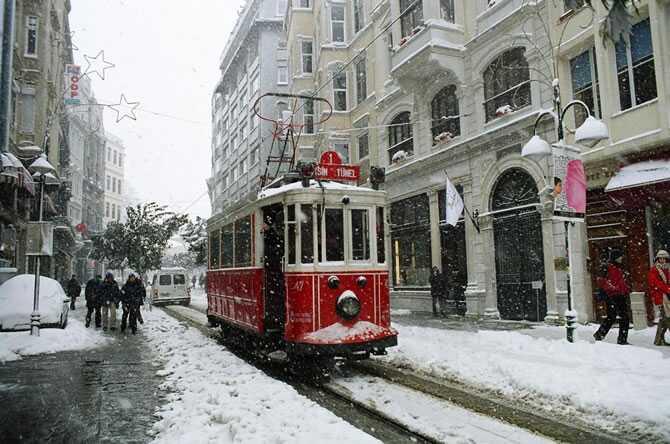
(388, 429)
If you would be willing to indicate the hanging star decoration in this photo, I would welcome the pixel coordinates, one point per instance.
(97, 65)
(125, 109)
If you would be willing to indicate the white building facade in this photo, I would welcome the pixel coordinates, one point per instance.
(253, 62)
(115, 182)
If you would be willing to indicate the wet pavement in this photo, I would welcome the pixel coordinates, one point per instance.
(108, 394)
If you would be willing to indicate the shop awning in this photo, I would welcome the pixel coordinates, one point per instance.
(640, 174)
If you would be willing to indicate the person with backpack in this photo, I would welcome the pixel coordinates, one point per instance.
(91, 293)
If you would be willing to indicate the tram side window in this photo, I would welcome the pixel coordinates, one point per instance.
(214, 249)
(243, 242)
(291, 234)
(306, 234)
(381, 252)
(334, 234)
(227, 250)
(360, 235)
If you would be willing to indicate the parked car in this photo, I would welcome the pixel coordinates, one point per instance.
(170, 286)
(16, 303)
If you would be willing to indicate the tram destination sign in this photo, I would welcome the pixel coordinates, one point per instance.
(331, 168)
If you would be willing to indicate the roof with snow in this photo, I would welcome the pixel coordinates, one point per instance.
(639, 174)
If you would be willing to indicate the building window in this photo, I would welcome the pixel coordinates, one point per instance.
(28, 112)
(445, 112)
(113, 210)
(337, 23)
(573, 4)
(447, 10)
(306, 56)
(635, 65)
(109, 183)
(410, 241)
(361, 79)
(253, 156)
(308, 116)
(116, 155)
(114, 184)
(359, 19)
(109, 154)
(342, 148)
(362, 140)
(281, 7)
(106, 209)
(32, 24)
(118, 186)
(412, 16)
(120, 160)
(400, 135)
(584, 72)
(340, 91)
(243, 131)
(282, 75)
(506, 84)
(303, 4)
(255, 84)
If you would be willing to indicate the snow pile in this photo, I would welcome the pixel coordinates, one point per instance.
(339, 333)
(216, 397)
(199, 299)
(16, 301)
(14, 345)
(603, 381)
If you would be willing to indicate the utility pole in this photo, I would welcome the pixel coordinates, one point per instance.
(7, 21)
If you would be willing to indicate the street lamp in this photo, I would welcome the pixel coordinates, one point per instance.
(42, 172)
(589, 134)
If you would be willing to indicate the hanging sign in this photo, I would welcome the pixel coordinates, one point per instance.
(39, 239)
(331, 167)
(569, 184)
(72, 76)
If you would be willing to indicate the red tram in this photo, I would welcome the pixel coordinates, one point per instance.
(303, 270)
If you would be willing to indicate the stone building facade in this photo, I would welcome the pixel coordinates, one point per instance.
(115, 183)
(253, 62)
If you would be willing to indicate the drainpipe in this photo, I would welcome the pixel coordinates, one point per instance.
(6, 72)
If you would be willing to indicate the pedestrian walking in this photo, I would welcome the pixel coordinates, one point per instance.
(437, 291)
(194, 280)
(658, 280)
(73, 290)
(92, 295)
(110, 299)
(202, 281)
(133, 296)
(612, 282)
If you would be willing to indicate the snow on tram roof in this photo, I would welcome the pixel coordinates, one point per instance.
(268, 192)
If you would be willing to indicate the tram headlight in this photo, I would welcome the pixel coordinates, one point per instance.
(362, 281)
(348, 306)
(333, 282)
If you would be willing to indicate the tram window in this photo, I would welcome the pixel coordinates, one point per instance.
(319, 217)
(381, 252)
(334, 234)
(306, 234)
(243, 242)
(214, 249)
(360, 235)
(227, 256)
(291, 234)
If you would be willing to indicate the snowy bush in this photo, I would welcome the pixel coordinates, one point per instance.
(399, 156)
(503, 110)
(443, 137)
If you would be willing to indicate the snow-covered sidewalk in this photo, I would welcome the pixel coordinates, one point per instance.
(619, 388)
(213, 396)
(14, 345)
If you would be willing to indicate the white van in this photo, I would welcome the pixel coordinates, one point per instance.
(170, 286)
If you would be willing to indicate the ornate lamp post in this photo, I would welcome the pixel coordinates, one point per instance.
(589, 134)
(42, 172)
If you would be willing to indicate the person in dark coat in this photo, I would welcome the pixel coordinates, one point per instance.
(617, 292)
(110, 299)
(437, 291)
(73, 290)
(133, 296)
(91, 293)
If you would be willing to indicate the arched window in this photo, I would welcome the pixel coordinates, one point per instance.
(445, 104)
(514, 188)
(400, 135)
(506, 83)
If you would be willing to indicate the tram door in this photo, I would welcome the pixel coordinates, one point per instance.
(273, 256)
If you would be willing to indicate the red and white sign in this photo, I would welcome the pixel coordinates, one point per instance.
(332, 168)
(72, 75)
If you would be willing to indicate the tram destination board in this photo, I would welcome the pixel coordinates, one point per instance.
(337, 172)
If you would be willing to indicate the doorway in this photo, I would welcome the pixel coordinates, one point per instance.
(519, 257)
(273, 259)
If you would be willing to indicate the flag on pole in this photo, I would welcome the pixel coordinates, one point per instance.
(454, 204)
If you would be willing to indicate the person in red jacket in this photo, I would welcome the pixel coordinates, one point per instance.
(658, 281)
(617, 292)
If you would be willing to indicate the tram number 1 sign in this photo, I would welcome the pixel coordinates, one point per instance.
(332, 168)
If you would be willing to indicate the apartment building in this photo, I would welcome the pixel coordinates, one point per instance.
(628, 86)
(451, 88)
(115, 184)
(253, 62)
